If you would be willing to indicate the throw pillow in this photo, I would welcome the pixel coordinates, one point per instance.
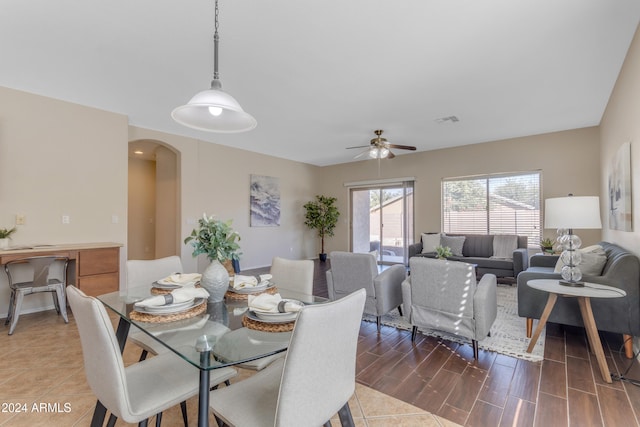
(429, 242)
(504, 245)
(593, 260)
(455, 243)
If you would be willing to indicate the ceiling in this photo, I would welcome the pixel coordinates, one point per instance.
(322, 76)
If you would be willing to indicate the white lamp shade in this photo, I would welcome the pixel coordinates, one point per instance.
(197, 113)
(578, 212)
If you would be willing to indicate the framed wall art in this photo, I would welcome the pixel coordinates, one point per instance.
(265, 201)
(620, 214)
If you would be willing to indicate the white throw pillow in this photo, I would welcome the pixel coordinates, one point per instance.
(504, 245)
(593, 260)
(455, 243)
(429, 242)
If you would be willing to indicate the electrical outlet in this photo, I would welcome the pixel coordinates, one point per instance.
(21, 219)
(66, 219)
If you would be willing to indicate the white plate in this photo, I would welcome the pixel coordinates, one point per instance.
(164, 282)
(272, 317)
(164, 310)
(252, 289)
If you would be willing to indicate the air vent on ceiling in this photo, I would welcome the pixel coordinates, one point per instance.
(452, 119)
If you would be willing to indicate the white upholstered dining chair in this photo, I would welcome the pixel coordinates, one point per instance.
(312, 383)
(138, 391)
(294, 275)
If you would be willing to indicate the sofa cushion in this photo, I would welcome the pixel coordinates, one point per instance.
(455, 243)
(480, 245)
(593, 260)
(429, 242)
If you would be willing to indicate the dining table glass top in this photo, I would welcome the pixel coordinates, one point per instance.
(219, 329)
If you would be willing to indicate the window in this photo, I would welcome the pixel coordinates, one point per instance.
(493, 204)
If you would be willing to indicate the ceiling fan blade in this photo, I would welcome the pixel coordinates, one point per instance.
(358, 146)
(361, 153)
(390, 155)
(402, 147)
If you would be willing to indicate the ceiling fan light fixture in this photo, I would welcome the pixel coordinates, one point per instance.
(374, 153)
(214, 110)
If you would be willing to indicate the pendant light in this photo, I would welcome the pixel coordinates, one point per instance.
(214, 110)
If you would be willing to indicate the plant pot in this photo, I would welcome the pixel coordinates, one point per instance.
(4, 243)
(323, 257)
(215, 280)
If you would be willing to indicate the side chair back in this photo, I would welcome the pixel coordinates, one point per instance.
(294, 275)
(145, 272)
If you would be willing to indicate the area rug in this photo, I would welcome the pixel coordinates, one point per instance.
(508, 333)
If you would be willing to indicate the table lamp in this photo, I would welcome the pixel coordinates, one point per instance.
(566, 214)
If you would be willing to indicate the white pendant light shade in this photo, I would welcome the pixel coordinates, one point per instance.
(214, 110)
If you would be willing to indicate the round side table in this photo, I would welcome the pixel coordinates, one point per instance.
(584, 295)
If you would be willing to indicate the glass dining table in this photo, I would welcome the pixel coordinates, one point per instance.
(213, 339)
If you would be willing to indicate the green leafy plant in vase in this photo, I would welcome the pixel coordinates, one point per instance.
(443, 252)
(219, 241)
(5, 236)
(322, 215)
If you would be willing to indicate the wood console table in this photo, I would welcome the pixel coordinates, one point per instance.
(94, 267)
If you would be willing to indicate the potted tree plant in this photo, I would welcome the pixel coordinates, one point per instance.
(5, 235)
(218, 241)
(322, 215)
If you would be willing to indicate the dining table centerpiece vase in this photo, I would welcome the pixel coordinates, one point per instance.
(216, 239)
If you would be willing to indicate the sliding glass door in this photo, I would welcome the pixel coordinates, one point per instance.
(382, 220)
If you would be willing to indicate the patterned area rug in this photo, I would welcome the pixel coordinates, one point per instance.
(508, 333)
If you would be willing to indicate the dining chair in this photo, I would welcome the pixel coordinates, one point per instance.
(312, 383)
(138, 391)
(34, 275)
(294, 275)
(143, 272)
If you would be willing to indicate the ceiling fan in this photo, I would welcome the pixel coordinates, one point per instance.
(379, 148)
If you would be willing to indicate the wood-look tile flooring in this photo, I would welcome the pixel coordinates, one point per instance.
(566, 389)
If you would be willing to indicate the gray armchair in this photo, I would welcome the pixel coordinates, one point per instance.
(444, 296)
(352, 271)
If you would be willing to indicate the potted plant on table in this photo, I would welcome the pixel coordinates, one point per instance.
(443, 252)
(546, 245)
(218, 240)
(5, 236)
(322, 215)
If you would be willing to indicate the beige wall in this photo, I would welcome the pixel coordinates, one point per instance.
(141, 235)
(58, 158)
(569, 162)
(620, 124)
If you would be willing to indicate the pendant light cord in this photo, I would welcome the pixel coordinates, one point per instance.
(216, 39)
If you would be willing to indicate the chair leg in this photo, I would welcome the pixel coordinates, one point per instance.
(227, 383)
(378, 323)
(143, 355)
(183, 408)
(12, 301)
(327, 424)
(529, 327)
(62, 303)
(112, 420)
(143, 423)
(56, 303)
(159, 419)
(400, 310)
(414, 332)
(16, 312)
(474, 344)
(345, 416)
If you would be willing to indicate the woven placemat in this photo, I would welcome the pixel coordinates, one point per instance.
(236, 296)
(154, 318)
(267, 327)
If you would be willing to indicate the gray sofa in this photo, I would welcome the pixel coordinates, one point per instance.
(618, 315)
(478, 249)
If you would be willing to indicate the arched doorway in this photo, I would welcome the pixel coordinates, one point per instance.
(153, 203)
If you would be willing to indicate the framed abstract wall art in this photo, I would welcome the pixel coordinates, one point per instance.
(265, 201)
(620, 214)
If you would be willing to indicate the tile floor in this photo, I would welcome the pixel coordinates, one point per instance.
(42, 375)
